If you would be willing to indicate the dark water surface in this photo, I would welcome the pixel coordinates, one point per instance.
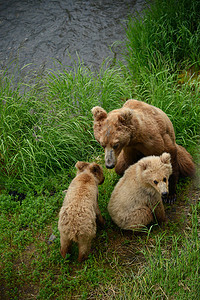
(40, 32)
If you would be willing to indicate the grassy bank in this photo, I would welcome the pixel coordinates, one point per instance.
(45, 128)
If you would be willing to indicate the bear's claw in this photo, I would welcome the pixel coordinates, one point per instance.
(170, 199)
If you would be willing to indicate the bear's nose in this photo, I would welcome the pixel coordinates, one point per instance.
(110, 166)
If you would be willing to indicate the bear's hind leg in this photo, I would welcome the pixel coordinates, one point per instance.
(100, 220)
(138, 218)
(84, 245)
(65, 243)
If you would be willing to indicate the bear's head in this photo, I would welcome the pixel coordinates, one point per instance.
(154, 171)
(95, 169)
(112, 131)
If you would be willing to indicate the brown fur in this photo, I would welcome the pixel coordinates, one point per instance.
(136, 199)
(137, 130)
(77, 217)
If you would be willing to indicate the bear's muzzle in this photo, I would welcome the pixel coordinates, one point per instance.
(110, 159)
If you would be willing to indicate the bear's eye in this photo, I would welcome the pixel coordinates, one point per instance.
(164, 179)
(115, 146)
(155, 181)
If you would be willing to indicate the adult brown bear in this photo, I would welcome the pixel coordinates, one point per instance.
(137, 130)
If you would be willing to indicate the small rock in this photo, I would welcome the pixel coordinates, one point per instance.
(51, 239)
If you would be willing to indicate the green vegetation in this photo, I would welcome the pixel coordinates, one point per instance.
(46, 127)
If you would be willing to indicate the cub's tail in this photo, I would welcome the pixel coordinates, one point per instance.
(185, 162)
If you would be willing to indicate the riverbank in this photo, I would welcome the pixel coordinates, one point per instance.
(45, 130)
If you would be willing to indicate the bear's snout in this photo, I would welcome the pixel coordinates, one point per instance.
(111, 166)
(110, 159)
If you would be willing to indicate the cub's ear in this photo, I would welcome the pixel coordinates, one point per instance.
(125, 116)
(144, 164)
(165, 158)
(99, 113)
(96, 169)
(81, 165)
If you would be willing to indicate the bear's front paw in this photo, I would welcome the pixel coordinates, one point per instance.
(165, 222)
(100, 221)
(170, 199)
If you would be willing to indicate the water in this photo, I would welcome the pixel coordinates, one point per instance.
(42, 32)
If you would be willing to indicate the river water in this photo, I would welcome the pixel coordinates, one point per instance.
(42, 32)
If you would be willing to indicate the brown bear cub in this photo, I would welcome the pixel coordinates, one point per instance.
(137, 130)
(77, 217)
(136, 199)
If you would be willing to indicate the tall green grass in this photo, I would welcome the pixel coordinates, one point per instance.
(181, 102)
(167, 34)
(159, 45)
(47, 129)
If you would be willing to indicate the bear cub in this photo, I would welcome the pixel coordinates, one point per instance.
(137, 198)
(77, 217)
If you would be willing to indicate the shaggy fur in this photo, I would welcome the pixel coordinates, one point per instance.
(77, 217)
(137, 130)
(136, 199)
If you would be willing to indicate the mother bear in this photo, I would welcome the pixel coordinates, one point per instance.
(137, 130)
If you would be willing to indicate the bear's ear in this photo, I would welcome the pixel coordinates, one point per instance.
(144, 164)
(81, 165)
(99, 113)
(95, 169)
(125, 116)
(165, 158)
